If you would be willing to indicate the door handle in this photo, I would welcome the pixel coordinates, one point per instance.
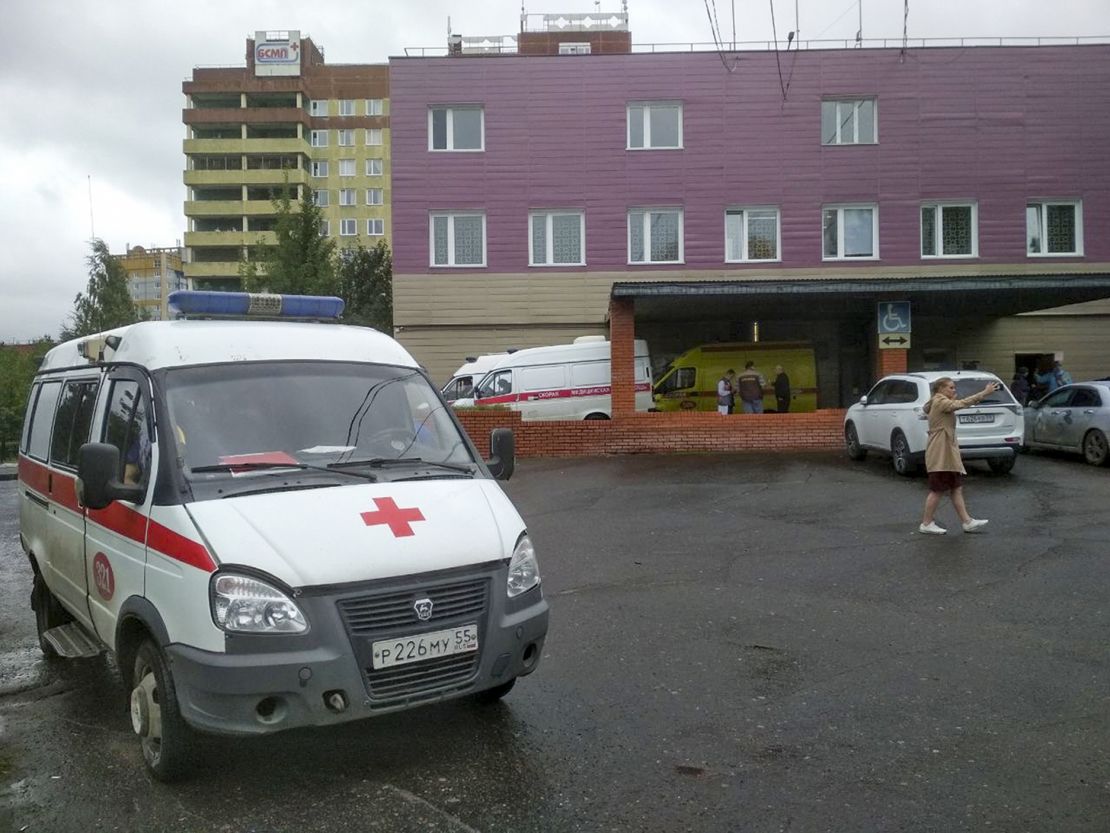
(1088, 411)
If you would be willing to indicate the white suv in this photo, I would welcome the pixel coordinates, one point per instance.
(891, 420)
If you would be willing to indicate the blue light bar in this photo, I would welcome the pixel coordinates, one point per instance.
(205, 304)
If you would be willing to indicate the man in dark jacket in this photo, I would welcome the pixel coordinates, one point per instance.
(782, 390)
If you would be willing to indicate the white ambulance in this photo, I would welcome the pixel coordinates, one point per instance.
(270, 523)
(562, 381)
(459, 390)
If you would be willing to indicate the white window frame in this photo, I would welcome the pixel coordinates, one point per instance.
(318, 107)
(839, 209)
(375, 166)
(345, 138)
(373, 137)
(347, 167)
(745, 254)
(375, 196)
(375, 227)
(855, 140)
(1042, 208)
(374, 107)
(319, 168)
(646, 220)
(451, 108)
(575, 48)
(346, 106)
(547, 216)
(348, 223)
(647, 106)
(451, 215)
(348, 196)
(318, 138)
(938, 229)
(321, 197)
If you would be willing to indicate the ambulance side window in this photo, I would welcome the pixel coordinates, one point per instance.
(72, 423)
(32, 398)
(38, 444)
(127, 427)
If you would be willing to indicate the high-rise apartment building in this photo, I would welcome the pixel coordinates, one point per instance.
(286, 117)
(152, 274)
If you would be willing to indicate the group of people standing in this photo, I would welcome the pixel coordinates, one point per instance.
(748, 387)
(1027, 387)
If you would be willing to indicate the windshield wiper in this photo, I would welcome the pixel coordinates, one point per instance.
(383, 462)
(257, 466)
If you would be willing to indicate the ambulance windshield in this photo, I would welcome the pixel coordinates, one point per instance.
(311, 413)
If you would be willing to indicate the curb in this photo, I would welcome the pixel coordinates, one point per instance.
(8, 472)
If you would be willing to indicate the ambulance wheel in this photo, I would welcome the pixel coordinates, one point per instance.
(492, 695)
(597, 416)
(49, 613)
(155, 717)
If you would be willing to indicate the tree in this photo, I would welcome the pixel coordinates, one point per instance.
(366, 286)
(301, 261)
(17, 369)
(106, 302)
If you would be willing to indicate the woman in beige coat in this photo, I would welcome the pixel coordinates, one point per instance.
(942, 455)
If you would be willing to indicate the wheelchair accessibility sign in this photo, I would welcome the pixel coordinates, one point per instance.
(894, 318)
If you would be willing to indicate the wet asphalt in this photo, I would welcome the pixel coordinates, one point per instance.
(747, 642)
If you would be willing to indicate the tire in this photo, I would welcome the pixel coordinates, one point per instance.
(165, 738)
(492, 695)
(1002, 465)
(851, 443)
(1095, 449)
(900, 456)
(596, 416)
(49, 613)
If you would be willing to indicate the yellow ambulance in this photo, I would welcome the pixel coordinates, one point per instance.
(690, 382)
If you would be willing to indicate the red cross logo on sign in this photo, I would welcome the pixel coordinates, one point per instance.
(390, 513)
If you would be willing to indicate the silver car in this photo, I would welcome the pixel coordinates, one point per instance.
(1073, 418)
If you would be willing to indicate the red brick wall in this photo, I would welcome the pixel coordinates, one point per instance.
(657, 433)
(622, 333)
(891, 361)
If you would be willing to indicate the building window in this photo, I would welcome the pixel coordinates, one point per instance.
(557, 238)
(574, 48)
(325, 228)
(319, 138)
(950, 230)
(373, 136)
(320, 168)
(654, 125)
(373, 167)
(375, 227)
(458, 239)
(373, 107)
(346, 107)
(348, 227)
(346, 196)
(346, 167)
(456, 128)
(751, 234)
(850, 232)
(655, 235)
(1054, 228)
(317, 108)
(375, 196)
(321, 197)
(849, 122)
(346, 138)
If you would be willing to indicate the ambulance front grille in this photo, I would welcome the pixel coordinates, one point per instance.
(420, 680)
(395, 612)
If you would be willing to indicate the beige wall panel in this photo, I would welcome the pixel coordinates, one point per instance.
(1084, 342)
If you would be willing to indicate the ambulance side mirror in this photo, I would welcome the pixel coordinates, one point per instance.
(97, 470)
(502, 449)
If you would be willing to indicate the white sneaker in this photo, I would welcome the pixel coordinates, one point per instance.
(931, 528)
(974, 525)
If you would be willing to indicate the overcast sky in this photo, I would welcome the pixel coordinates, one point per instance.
(91, 89)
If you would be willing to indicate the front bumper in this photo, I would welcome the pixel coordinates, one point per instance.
(265, 684)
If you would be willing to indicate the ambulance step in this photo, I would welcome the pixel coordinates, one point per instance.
(72, 641)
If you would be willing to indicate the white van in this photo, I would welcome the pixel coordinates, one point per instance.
(459, 390)
(562, 381)
(271, 524)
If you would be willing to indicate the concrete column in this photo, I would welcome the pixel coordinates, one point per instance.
(622, 333)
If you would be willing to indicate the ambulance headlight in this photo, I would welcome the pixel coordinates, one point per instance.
(524, 570)
(242, 604)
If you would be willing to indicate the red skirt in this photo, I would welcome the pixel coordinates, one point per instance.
(945, 481)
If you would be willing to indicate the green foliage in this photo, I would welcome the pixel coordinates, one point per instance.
(301, 261)
(17, 368)
(366, 286)
(106, 302)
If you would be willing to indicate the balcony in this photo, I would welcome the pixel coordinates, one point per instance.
(216, 269)
(213, 208)
(296, 176)
(216, 146)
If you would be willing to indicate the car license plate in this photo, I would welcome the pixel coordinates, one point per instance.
(405, 649)
(966, 418)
